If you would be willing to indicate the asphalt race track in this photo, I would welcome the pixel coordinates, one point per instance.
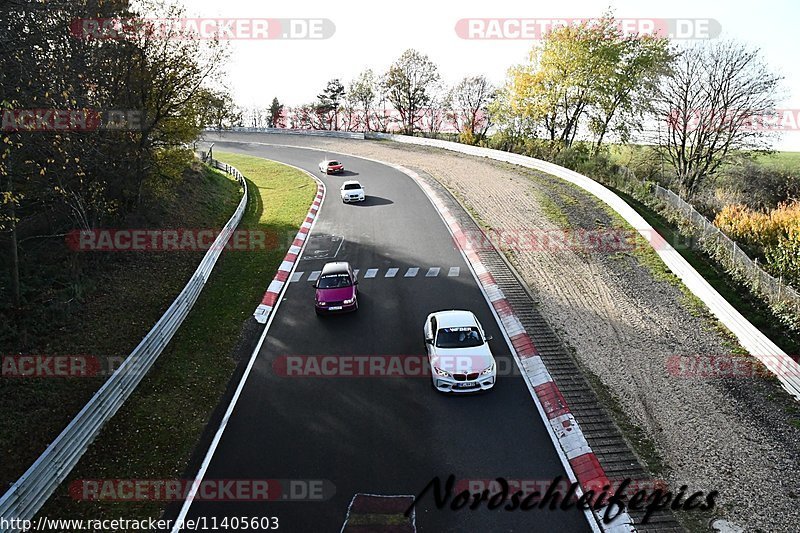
(379, 435)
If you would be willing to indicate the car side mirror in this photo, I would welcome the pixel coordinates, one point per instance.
(488, 338)
(355, 282)
(428, 341)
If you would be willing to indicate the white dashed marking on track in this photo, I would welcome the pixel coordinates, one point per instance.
(371, 273)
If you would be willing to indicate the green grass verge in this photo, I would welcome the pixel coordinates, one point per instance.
(155, 432)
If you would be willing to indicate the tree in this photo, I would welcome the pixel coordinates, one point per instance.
(469, 102)
(216, 109)
(635, 65)
(588, 71)
(712, 106)
(408, 84)
(161, 89)
(513, 124)
(330, 102)
(434, 115)
(275, 119)
(361, 95)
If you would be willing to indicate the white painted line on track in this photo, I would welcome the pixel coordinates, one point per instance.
(454, 271)
(180, 520)
(411, 272)
(314, 275)
(392, 272)
(432, 272)
(297, 276)
(371, 273)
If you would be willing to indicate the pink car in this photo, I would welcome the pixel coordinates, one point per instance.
(336, 289)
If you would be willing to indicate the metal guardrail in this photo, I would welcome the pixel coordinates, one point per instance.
(756, 343)
(286, 131)
(25, 497)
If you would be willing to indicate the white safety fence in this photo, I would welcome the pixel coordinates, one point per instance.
(25, 497)
(756, 343)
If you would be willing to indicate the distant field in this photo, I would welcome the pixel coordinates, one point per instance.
(622, 154)
(781, 160)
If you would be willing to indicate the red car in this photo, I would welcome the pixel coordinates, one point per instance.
(330, 166)
(336, 289)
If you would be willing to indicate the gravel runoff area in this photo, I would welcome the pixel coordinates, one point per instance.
(739, 436)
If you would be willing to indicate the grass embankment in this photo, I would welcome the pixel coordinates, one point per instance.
(114, 303)
(154, 434)
(738, 295)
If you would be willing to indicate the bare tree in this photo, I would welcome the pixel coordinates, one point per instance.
(469, 102)
(712, 106)
(408, 84)
(434, 115)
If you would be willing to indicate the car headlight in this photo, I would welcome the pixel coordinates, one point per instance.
(488, 370)
(321, 303)
(441, 372)
(348, 302)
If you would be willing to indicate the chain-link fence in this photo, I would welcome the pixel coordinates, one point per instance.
(722, 248)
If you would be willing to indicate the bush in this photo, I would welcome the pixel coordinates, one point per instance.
(776, 234)
(755, 185)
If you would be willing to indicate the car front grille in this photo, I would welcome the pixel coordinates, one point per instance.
(465, 377)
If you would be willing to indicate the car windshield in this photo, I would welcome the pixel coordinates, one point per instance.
(352, 186)
(334, 281)
(466, 337)
(332, 163)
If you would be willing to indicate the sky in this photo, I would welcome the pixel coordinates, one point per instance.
(373, 34)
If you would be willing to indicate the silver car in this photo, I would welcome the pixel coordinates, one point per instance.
(458, 352)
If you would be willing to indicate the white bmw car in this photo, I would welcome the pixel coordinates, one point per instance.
(458, 352)
(352, 191)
